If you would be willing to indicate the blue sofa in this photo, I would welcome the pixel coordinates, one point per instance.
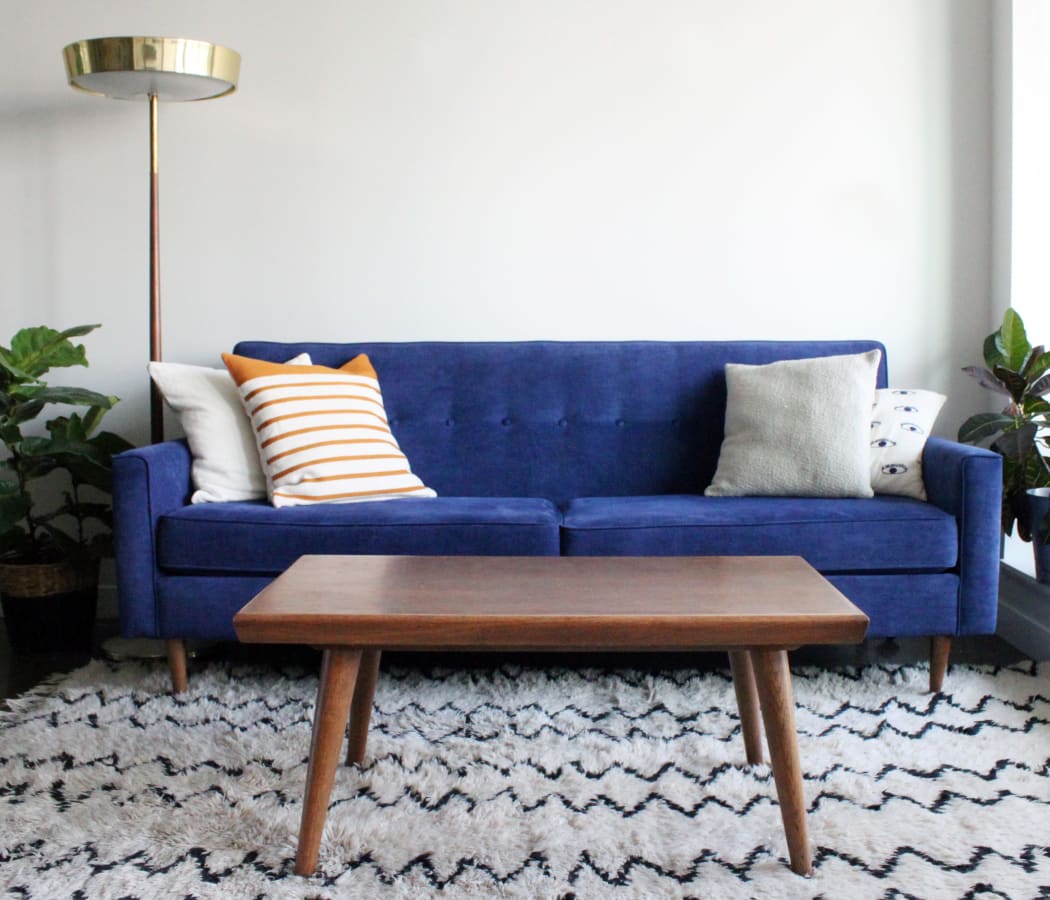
(578, 448)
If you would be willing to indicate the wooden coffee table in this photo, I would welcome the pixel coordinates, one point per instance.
(353, 607)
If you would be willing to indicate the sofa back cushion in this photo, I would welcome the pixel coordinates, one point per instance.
(559, 419)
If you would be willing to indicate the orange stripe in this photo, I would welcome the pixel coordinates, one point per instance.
(344, 476)
(332, 459)
(320, 498)
(299, 384)
(316, 398)
(288, 434)
(320, 412)
(314, 446)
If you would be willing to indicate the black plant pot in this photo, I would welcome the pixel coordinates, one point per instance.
(1038, 511)
(52, 610)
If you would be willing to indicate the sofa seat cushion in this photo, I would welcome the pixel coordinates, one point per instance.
(876, 534)
(256, 538)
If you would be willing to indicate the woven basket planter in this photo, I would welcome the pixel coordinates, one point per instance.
(49, 606)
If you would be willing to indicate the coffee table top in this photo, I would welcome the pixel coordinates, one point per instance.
(551, 603)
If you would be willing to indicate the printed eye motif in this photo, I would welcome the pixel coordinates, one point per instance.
(883, 442)
(900, 393)
(906, 408)
(875, 423)
(912, 427)
(894, 469)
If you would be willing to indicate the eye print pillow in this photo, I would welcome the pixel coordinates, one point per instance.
(900, 423)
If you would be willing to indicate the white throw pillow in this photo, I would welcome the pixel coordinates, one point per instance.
(900, 423)
(222, 442)
(798, 427)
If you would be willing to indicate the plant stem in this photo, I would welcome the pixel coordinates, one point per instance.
(23, 488)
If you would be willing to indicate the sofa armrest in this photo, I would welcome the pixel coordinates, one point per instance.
(147, 483)
(967, 482)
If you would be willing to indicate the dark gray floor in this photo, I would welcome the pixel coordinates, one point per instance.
(21, 671)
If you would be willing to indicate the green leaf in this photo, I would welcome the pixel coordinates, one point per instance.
(1040, 387)
(993, 356)
(13, 506)
(25, 412)
(93, 418)
(16, 544)
(986, 379)
(67, 544)
(1012, 341)
(983, 425)
(1017, 443)
(88, 471)
(36, 351)
(7, 364)
(1015, 383)
(71, 396)
(109, 444)
(1037, 366)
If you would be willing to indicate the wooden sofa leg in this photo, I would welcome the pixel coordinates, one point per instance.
(177, 664)
(940, 647)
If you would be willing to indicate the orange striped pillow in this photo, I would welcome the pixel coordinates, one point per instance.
(322, 433)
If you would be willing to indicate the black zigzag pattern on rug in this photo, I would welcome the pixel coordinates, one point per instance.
(569, 783)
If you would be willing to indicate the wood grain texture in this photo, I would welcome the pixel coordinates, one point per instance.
(940, 648)
(551, 603)
(773, 680)
(334, 691)
(177, 664)
(747, 704)
(361, 707)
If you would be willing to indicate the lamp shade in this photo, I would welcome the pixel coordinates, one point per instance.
(133, 68)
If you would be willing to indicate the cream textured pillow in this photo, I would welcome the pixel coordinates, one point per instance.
(222, 443)
(798, 427)
(322, 433)
(900, 423)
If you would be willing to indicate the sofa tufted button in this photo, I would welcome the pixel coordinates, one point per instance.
(450, 422)
(620, 423)
(506, 421)
(563, 423)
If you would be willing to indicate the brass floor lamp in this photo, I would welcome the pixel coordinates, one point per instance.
(153, 69)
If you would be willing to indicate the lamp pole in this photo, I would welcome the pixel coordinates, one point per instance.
(156, 402)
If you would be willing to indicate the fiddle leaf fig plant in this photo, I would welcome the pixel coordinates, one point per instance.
(72, 446)
(1021, 374)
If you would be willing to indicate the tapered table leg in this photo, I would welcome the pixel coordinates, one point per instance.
(361, 708)
(177, 665)
(747, 704)
(339, 667)
(773, 680)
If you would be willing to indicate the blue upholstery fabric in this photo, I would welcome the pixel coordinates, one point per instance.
(905, 605)
(202, 607)
(967, 483)
(838, 535)
(147, 482)
(558, 420)
(257, 539)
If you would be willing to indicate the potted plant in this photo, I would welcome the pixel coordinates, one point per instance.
(49, 557)
(1021, 373)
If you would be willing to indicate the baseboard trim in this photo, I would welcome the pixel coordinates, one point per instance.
(1024, 613)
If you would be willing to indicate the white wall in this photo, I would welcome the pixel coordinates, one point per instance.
(492, 169)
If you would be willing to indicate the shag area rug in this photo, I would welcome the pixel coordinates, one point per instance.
(520, 782)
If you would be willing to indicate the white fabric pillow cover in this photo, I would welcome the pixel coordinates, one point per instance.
(900, 423)
(798, 427)
(226, 463)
